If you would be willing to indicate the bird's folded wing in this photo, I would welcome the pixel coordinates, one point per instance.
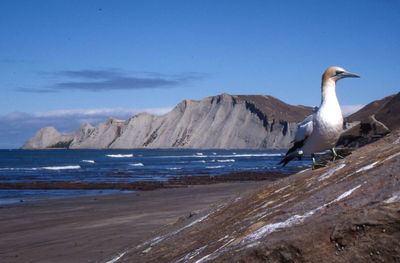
(304, 129)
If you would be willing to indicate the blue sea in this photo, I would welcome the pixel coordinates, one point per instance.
(112, 166)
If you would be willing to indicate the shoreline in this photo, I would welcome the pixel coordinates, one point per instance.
(94, 228)
(173, 182)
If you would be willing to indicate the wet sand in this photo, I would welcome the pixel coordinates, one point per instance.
(94, 229)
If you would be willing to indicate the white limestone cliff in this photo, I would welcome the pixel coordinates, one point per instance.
(222, 121)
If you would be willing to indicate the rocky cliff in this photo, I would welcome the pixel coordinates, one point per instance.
(48, 137)
(223, 121)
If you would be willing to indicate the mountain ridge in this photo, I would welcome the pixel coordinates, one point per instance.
(222, 121)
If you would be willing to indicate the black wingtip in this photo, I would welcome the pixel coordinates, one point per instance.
(284, 161)
(290, 156)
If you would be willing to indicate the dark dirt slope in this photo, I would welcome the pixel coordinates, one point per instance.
(369, 109)
(375, 120)
(346, 212)
(389, 114)
(276, 109)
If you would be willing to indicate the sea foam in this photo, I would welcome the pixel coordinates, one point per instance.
(226, 161)
(119, 155)
(88, 161)
(67, 167)
(136, 164)
(215, 167)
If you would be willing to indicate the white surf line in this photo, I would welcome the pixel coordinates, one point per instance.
(117, 258)
(88, 161)
(66, 167)
(331, 171)
(119, 155)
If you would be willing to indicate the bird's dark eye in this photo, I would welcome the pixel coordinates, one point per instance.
(338, 72)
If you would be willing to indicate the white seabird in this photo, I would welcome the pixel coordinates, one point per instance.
(321, 130)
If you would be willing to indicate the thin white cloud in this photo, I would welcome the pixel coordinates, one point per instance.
(99, 112)
(350, 109)
(17, 127)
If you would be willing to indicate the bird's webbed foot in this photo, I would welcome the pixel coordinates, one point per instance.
(316, 165)
(335, 155)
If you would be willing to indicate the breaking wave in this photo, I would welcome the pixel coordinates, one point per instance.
(226, 161)
(174, 168)
(119, 155)
(215, 167)
(252, 155)
(67, 167)
(136, 164)
(88, 161)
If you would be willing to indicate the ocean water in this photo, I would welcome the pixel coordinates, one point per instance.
(111, 166)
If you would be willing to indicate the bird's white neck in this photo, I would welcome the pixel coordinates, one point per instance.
(328, 94)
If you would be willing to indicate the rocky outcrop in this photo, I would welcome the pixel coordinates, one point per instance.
(223, 121)
(48, 137)
(99, 137)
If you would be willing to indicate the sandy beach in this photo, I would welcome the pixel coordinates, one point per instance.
(95, 229)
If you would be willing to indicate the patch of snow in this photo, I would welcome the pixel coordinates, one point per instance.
(393, 199)
(392, 156)
(346, 194)
(331, 171)
(367, 167)
(237, 199)
(117, 258)
(158, 239)
(293, 220)
(268, 203)
(302, 171)
(269, 228)
(191, 254)
(281, 189)
(223, 238)
(214, 254)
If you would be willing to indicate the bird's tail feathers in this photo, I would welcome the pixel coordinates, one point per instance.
(290, 156)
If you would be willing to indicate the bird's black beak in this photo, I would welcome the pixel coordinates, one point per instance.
(349, 75)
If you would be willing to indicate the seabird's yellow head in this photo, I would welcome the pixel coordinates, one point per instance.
(335, 73)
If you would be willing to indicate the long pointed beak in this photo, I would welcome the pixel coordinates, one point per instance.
(349, 75)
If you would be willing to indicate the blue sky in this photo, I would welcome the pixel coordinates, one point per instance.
(66, 58)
